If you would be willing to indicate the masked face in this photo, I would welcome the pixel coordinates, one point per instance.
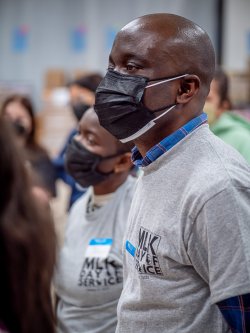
(82, 164)
(19, 128)
(79, 109)
(19, 119)
(120, 108)
(81, 99)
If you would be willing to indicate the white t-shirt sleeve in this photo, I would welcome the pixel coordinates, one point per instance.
(219, 243)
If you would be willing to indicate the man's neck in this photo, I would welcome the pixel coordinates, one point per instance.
(110, 186)
(154, 136)
(161, 130)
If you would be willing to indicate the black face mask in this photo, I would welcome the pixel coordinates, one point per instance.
(119, 105)
(81, 164)
(79, 109)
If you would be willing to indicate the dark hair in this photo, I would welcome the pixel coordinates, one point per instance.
(223, 86)
(90, 81)
(27, 105)
(27, 247)
(34, 152)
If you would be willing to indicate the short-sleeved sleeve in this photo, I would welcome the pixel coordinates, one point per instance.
(219, 244)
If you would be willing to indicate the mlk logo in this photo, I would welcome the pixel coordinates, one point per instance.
(146, 260)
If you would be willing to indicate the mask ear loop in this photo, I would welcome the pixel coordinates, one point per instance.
(164, 113)
(171, 106)
(166, 80)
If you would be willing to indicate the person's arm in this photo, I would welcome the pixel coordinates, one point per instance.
(236, 311)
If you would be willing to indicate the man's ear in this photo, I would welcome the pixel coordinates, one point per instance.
(124, 163)
(189, 87)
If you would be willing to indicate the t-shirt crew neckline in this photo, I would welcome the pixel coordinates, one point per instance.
(169, 154)
(93, 215)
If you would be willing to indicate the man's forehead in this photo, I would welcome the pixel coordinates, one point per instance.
(91, 114)
(147, 22)
(132, 26)
(138, 44)
(136, 30)
(90, 123)
(154, 25)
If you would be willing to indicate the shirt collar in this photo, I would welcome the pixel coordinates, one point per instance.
(168, 142)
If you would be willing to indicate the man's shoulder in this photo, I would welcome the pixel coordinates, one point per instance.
(203, 165)
(214, 149)
(202, 160)
(220, 160)
(219, 168)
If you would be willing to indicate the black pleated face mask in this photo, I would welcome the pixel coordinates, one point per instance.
(119, 105)
(82, 164)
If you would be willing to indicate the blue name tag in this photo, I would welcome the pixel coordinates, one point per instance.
(130, 248)
(99, 248)
(101, 241)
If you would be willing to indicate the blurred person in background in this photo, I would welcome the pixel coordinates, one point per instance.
(89, 275)
(19, 111)
(227, 125)
(82, 96)
(27, 246)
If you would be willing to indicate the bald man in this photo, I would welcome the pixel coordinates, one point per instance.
(187, 247)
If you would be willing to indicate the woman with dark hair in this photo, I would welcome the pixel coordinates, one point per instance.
(19, 111)
(27, 247)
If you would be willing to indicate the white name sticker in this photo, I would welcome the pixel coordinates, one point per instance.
(99, 248)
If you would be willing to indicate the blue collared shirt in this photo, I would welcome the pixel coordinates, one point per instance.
(168, 142)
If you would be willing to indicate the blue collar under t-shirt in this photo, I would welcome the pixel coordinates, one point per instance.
(168, 142)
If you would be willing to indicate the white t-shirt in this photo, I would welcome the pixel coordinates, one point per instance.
(89, 275)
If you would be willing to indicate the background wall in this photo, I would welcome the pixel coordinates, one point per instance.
(38, 35)
(236, 50)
